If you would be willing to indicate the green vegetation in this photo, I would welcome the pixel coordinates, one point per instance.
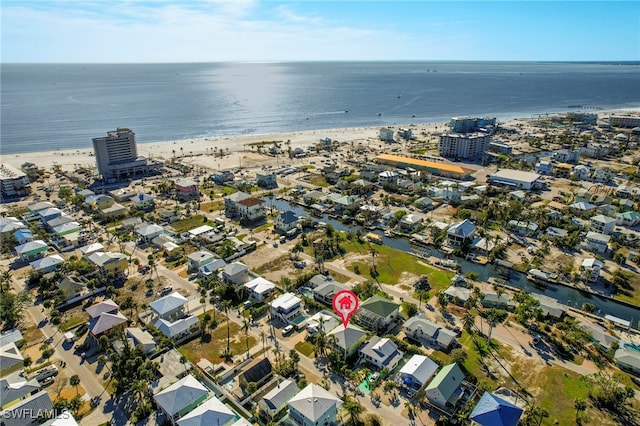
(305, 348)
(317, 180)
(188, 223)
(213, 344)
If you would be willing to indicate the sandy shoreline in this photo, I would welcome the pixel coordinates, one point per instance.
(201, 151)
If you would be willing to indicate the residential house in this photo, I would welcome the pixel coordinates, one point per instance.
(603, 175)
(41, 205)
(286, 308)
(274, 401)
(187, 189)
(381, 352)
(377, 313)
(259, 371)
(421, 329)
(550, 307)
(321, 321)
(324, 292)
(346, 203)
(235, 273)
(31, 250)
(109, 262)
(416, 372)
(198, 259)
(492, 410)
(144, 202)
(181, 397)
(625, 191)
(562, 170)
(347, 340)
(602, 224)
(10, 336)
(425, 203)
(628, 360)
(444, 389)
(89, 249)
(171, 316)
(314, 406)
(411, 222)
(10, 355)
(267, 180)
(312, 197)
(582, 208)
(492, 299)
(461, 233)
(553, 232)
(590, 269)
(251, 209)
(170, 307)
(285, 222)
(16, 386)
(48, 214)
(10, 224)
(386, 134)
(544, 167)
(104, 316)
(222, 177)
(67, 228)
(139, 337)
(596, 242)
(148, 231)
(212, 412)
(99, 202)
(582, 172)
(47, 264)
(388, 177)
(18, 414)
(23, 235)
(211, 267)
(259, 288)
(624, 205)
(523, 228)
(599, 334)
(628, 219)
(457, 295)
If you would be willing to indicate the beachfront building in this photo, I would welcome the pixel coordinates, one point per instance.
(451, 171)
(386, 134)
(470, 124)
(626, 121)
(13, 182)
(515, 178)
(117, 156)
(464, 146)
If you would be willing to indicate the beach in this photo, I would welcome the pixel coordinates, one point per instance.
(242, 151)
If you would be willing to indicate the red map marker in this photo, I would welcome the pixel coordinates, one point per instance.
(345, 303)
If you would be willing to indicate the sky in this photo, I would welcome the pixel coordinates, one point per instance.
(140, 31)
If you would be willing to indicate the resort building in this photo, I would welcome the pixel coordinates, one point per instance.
(117, 156)
(13, 182)
(626, 121)
(451, 171)
(464, 146)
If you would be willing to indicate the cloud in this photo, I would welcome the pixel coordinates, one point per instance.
(286, 14)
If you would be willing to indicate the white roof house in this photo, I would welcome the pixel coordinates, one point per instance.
(150, 231)
(260, 287)
(10, 355)
(212, 412)
(286, 302)
(105, 322)
(417, 372)
(48, 263)
(348, 339)
(177, 328)
(628, 360)
(200, 230)
(314, 404)
(88, 250)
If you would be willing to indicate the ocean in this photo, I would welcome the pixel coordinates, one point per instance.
(62, 106)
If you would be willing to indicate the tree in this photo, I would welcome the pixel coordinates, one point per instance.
(353, 407)
(75, 404)
(75, 381)
(245, 328)
(580, 406)
(183, 361)
(13, 307)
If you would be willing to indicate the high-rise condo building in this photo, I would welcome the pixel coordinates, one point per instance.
(464, 146)
(117, 156)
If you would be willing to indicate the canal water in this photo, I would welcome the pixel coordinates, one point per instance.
(566, 295)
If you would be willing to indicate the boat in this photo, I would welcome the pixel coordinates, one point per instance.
(388, 233)
(373, 238)
(541, 278)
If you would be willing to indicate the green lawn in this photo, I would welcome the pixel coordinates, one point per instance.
(212, 346)
(188, 223)
(392, 263)
(305, 348)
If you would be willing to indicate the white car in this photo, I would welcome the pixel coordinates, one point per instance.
(287, 330)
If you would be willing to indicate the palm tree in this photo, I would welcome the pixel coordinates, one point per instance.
(183, 361)
(225, 308)
(468, 321)
(263, 336)
(245, 328)
(354, 408)
(75, 381)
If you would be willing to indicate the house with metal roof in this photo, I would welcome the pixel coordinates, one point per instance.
(376, 313)
(235, 273)
(200, 258)
(436, 168)
(444, 390)
(23, 235)
(107, 305)
(347, 340)
(211, 412)
(596, 242)
(416, 372)
(277, 398)
(314, 406)
(285, 221)
(31, 250)
(109, 262)
(181, 397)
(325, 291)
(461, 232)
(590, 269)
(10, 224)
(515, 178)
(138, 336)
(106, 322)
(324, 320)
(169, 307)
(628, 360)
(16, 386)
(602, 224)
(628, 219)
(47, 264)
(148, 232)
(10, 355)
(39, 402)
(259, 288)
(420, 328)
(178, 329)
(381, 352)
(492, 410)
(10, 336)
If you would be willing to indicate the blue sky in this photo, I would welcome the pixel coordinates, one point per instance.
(269, 30)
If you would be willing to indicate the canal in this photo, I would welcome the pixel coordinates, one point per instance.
(566, 295)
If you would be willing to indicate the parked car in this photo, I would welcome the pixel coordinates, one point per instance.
(166, 290)
(287, 330)
(300, 265)
(45, 373)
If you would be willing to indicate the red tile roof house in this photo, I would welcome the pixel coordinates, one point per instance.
(251, 208)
